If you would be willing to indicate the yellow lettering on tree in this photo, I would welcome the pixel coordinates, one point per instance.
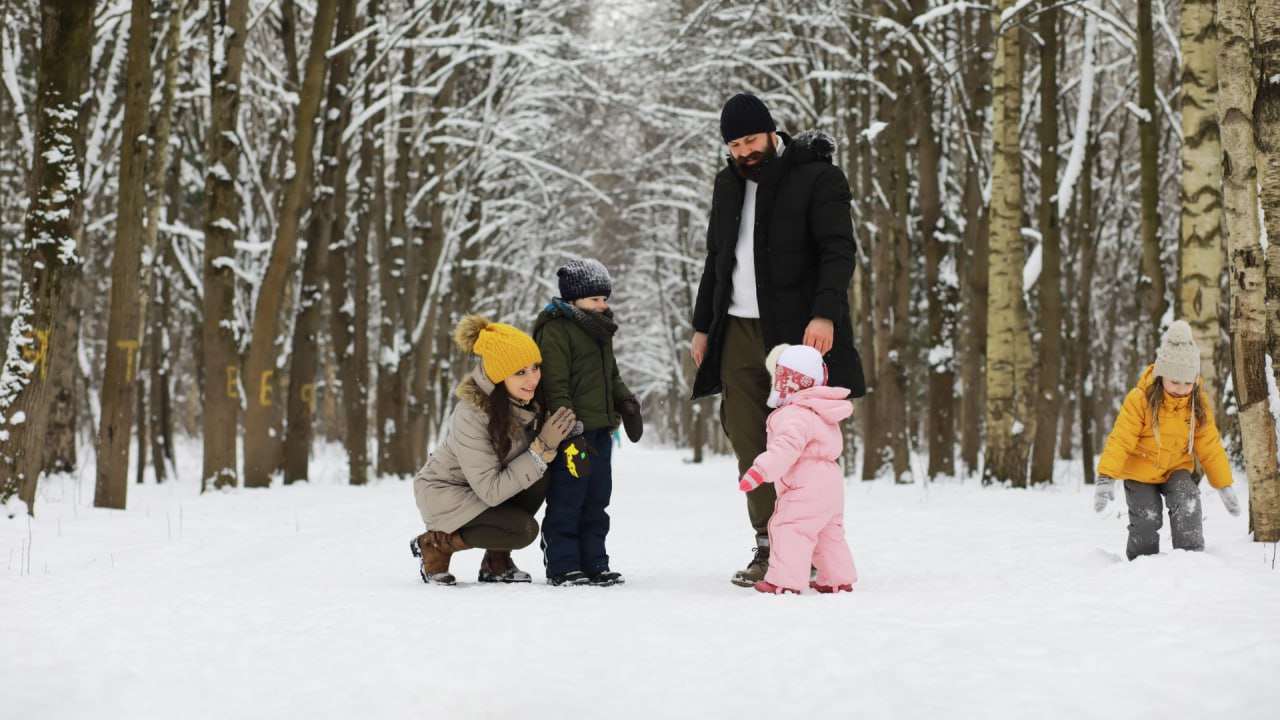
(309, 396)
(37, 352)
(233, 381)
(264, 388)
(130, 347)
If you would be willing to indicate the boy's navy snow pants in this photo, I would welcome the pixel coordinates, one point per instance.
(575, 525)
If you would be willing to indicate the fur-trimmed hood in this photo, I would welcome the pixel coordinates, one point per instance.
(815, 143)
(808, 146)
(476, 388)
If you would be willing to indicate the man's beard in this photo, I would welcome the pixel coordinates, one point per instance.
(758, 162)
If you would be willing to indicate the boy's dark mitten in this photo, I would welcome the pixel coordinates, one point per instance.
(577, 454)
(631, 419)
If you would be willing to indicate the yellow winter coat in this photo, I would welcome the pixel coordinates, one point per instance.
(1133, 451)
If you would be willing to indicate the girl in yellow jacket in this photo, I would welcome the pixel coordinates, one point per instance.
(1163, 427)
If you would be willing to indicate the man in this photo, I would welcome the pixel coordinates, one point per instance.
(780, 256)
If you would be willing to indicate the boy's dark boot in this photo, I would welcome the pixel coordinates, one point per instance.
(436, 549)
(498, 567)
(756, 569)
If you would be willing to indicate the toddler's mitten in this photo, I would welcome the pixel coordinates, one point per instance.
(631, 420)
(1229, 499)
(1103, 493)
(751, 480)
(577, 454)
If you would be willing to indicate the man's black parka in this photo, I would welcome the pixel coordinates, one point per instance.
(804, 258)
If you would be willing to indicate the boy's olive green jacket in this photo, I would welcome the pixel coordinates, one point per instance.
(578, 371)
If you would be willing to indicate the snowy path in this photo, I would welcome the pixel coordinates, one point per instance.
(304, 602)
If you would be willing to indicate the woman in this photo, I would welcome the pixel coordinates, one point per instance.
(484, 482)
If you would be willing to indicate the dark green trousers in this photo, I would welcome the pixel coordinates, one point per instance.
(743, 410)
(509, 526)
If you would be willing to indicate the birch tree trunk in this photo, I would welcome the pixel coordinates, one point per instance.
(1237, 84)
(262, 412)
(1151, 287)
(324, 223)
(1266, 115)
(124, 329)
(1048, 393)
(1265, 487)
(1202, 255)
(1010, 422)
(49, 259)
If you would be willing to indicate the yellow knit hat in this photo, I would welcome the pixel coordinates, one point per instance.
(503, 349)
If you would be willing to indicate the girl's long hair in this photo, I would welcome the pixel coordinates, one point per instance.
(1155, 395)
(502, 428)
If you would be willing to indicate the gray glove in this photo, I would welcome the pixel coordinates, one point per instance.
(558, 427)
(1229, 500)
(1103, 493)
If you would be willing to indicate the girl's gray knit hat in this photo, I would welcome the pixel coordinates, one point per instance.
(1178, 358)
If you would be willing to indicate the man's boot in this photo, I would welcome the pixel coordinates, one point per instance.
(498, 567)
(436, 549)
(755, 570)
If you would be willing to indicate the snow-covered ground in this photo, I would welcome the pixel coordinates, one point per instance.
(304, 602)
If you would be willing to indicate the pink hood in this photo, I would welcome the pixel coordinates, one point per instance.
(830, 403)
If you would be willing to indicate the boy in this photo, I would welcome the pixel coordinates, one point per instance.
(575, 335)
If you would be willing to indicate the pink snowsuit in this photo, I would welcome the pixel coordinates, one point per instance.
(808, 521)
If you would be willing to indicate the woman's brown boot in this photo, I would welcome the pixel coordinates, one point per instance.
(436, 548)
(498, 567)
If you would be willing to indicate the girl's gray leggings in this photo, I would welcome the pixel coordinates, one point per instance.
(1182, 494)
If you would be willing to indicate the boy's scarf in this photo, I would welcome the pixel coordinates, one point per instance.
(600, 326)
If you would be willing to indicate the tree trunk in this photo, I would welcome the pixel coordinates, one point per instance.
(154, 284)
(1151, 286)
(1257, 423)
(222, 386)
(1236, 75)
(1266, 115)
(320, 233)
(1084, 328)
(124, 328)
(1202, 256)
(394, 357)
(974, 248)
(939, 278)
(892, 258)
(49, 259)
(1010, 420)
(1049, 397)
(349, 276)
(262, 412)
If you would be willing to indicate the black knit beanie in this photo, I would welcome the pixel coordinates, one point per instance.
(583, 278)
(745, 115)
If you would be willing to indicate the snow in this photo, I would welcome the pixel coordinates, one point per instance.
(1034, 265)
(874, 130)
(1139, 112)
(303, 601)
(1084, 112)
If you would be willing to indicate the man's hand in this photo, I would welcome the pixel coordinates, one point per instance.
(819, 333)
(698, 348)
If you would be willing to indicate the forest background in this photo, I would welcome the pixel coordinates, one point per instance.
(256, 222)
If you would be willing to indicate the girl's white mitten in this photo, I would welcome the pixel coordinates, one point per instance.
(1229, 499)
(1103, 492)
